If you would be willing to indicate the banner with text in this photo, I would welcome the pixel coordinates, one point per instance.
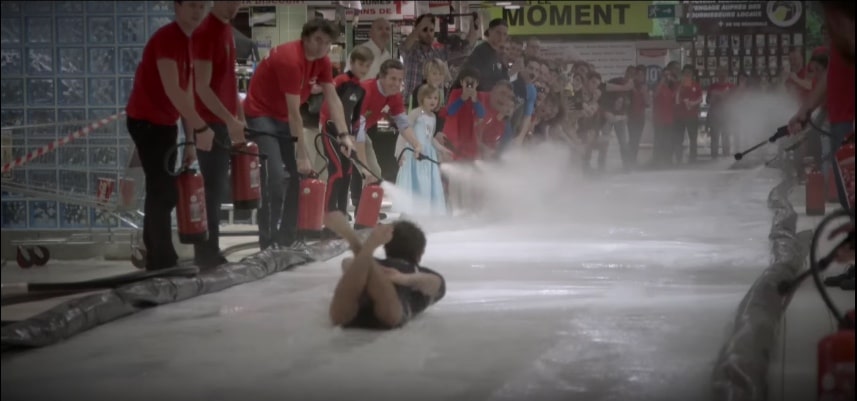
(578, 17)
(718, 17)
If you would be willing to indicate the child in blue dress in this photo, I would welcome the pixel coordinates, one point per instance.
(421, 178)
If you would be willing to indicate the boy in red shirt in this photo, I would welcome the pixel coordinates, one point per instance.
(382, 93)
(687, 115)
(463, 109)
(280, 85)
(162, 93)
(218, 103)
(718, 93)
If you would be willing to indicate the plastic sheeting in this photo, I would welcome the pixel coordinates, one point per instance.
(740, 372)
(81, 314)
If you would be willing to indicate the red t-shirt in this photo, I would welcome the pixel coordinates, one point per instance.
(148, 100)
(374, 102)
(819, 50)
(460, 128)
(664, 105)
(638, 102)
(719, 87)
(213, 41)
(840, 89)
(692, 92)
(286, 71)
(493, 125)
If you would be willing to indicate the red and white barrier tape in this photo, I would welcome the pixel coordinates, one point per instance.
(60, 142)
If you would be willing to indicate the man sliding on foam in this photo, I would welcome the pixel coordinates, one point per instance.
(383, 294)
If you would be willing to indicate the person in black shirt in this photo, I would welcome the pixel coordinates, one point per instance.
(487, 58)
(383, 294)
(351, 95)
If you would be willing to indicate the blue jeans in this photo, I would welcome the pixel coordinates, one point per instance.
(278, 213)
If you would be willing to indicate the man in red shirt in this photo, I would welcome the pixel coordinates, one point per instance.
(218, 104)
(687, 115)
(280, 85)
(664, 119)
(839, 17)
(163, 93)
(718, 93)
(382, 93)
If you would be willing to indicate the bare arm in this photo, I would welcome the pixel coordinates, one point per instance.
(338, 223)
(202, 81)
(181, 100)
(805, 84)
(818, 94)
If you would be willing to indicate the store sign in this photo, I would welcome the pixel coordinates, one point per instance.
(578, 17)
(715, 17)
(392, 10)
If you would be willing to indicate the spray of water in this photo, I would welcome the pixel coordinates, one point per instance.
(755, 116)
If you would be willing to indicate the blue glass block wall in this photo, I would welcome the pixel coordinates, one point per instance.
(66, 63)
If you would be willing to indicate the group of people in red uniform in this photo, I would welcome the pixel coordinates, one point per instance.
(187, 73)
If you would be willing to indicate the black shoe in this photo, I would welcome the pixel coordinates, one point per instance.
(840, 280)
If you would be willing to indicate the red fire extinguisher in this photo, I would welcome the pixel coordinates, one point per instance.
(835, 379)
(246, 176)
(845, 165)
(311, 205)
(815, 192)
(190, 209)
(369, 207)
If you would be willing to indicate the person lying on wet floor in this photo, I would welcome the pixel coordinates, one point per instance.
(383, 293)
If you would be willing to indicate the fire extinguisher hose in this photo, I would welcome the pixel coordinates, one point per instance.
(420, 156)
(354, 159)
(816, 266)
(317, 144)
(781, 133)
(174, 149)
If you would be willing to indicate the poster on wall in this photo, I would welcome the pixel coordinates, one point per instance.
(739, 17)
(654, 60)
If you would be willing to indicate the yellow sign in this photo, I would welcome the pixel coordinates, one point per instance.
(576, 17)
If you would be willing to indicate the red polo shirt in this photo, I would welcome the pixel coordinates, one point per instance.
(664, 105)
(286, 71)
(374, 102)
(213, 42)
(719, 87)
(148, 100)
(692, 92)
(840, 89)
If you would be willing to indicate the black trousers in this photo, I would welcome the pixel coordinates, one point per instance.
(636, 123)
(278, 213)
(691, 125)
(153, 142)
(214, 167)
(339, 172)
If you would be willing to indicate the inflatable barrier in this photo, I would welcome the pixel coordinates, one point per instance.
(741, 369)
(89, 311)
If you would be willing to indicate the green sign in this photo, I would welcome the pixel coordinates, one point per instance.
(659, 11)
(685, 32)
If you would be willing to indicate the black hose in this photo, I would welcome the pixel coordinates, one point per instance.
(781, 132)
(321, 153)
(419, 156)
(354, 159)
(174, 149)
(817, 266)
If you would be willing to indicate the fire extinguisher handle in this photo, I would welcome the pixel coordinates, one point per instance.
(169, 154)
